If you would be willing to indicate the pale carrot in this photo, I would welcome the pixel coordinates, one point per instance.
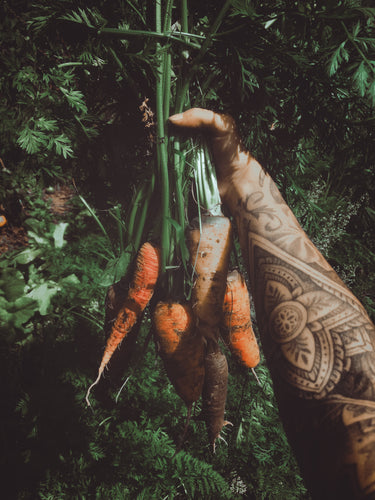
(209, 241)
(214, 392)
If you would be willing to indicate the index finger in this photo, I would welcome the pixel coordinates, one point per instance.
(205, 120)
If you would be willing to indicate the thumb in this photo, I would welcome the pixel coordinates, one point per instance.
(204, 120)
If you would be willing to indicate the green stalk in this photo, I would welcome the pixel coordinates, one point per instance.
(167, 72)
(179, 164)
(184, 16)
(162, 156)
(130, 80)
(167, 62)
(208, 197)
(133, 214)
(96, 218)
(168, 17)
(202, 52)
(182, 93)
(119, 227)
(142, 220)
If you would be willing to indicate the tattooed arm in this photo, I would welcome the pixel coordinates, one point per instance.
(318, 340)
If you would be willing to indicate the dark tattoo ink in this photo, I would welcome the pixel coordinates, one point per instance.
(315, 325)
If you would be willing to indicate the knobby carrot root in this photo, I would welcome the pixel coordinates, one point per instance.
(209, 255)
(237, 331)
(141, 289)
(181, 349)
(171, 320)
(214, 392)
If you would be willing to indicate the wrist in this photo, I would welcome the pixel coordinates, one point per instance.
(240, 181)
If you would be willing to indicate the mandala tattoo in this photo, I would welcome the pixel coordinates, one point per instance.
(319, 343)
(317, 328)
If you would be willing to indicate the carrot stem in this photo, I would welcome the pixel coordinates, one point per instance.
(133, 213)
(162, 156)
(142, 220)
(204, 48)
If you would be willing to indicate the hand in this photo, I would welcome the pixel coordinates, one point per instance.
(229, 155)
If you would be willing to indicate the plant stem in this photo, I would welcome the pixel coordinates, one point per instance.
(184, 16)
(142, 220)
(207, 190)
(162, 156)
(202, 52)
(133, 214)
(96, 218)
(119, 227)
(179, 164)
(168, 17)
(167, 61)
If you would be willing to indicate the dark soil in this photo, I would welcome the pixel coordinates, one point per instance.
(12, 238)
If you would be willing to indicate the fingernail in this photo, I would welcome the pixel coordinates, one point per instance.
(176, 118)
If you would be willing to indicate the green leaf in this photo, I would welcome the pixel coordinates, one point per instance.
(58, 234)
(340, 55)
(4, 314)
(370, 212)
(28, 255)
(43, 295)
(270, 22)
(12, 284)
(360, 78)
(31, 140)
(44, 124)
(75, 99)
(34, 224)
(63, 145)
(371, 91)
(116, 268)
(356, 29)
(70, 280)
(25, 307)
(122, 264)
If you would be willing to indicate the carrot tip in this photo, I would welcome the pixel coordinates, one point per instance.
(256, 376)
(91, 386)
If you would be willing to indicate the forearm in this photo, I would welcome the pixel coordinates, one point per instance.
(318, 340)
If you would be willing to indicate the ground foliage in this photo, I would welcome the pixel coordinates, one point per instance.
(299, 79)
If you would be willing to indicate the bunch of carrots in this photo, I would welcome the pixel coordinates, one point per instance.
(214, 307)
(188, 333)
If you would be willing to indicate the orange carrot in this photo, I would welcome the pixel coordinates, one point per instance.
(181, 349)
(237, 331)
(114, 300)
(209, 250)
(141, 289)
(214, 392)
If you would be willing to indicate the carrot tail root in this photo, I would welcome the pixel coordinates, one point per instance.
(92, 385)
